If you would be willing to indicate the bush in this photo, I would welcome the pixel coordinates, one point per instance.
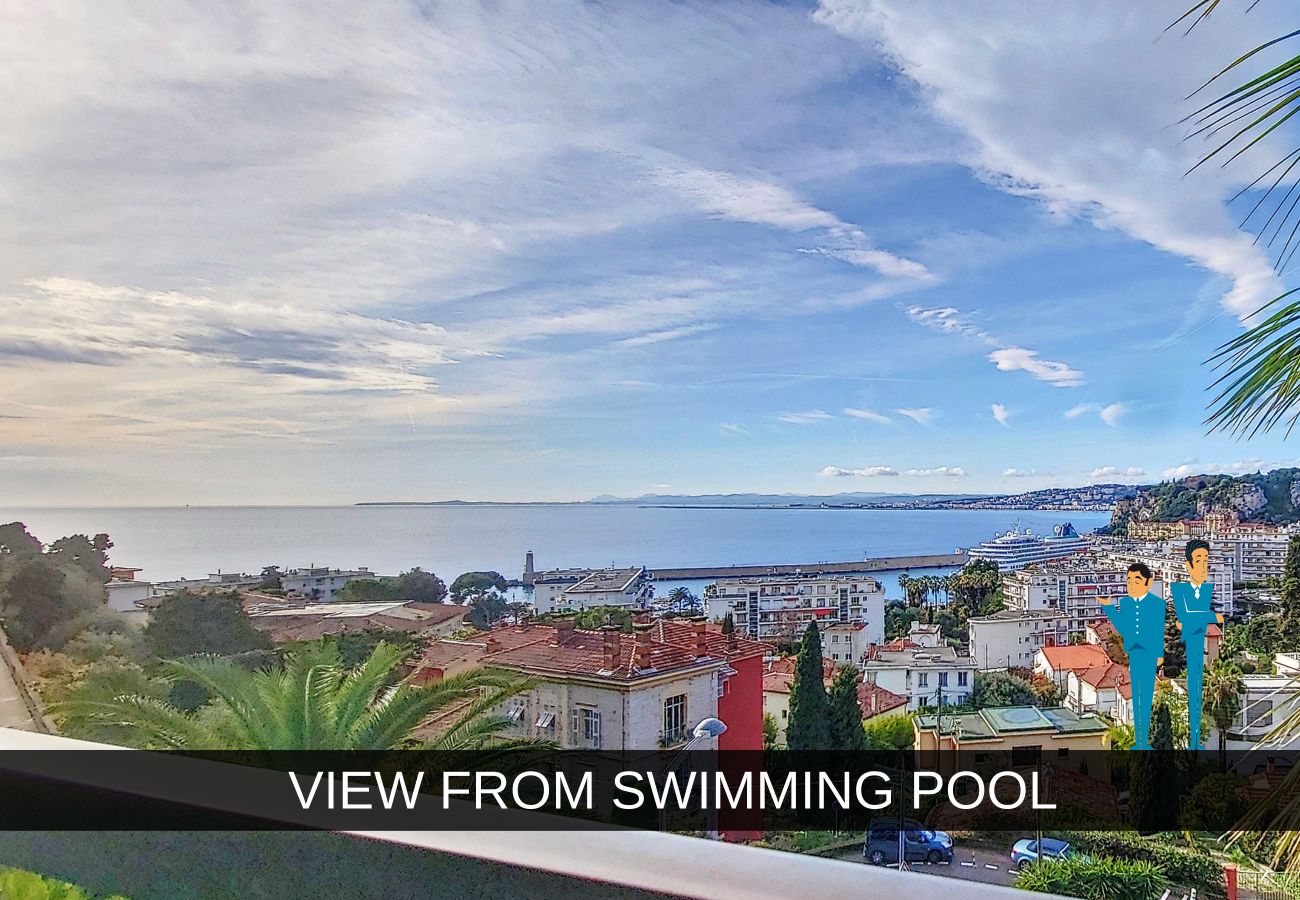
(22, 885)
(1183, 867)
(1094, 879)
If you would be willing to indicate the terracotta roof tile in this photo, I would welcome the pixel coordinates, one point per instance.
(1077, 657)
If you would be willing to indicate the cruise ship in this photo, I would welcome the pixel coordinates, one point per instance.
(1017, 549)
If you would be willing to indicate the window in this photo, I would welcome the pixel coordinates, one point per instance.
(785, 713)
(1259, 713)
(922, 679)
(943, 679)
(835, 638)
(591, 726)
(675, 718)
(722, 686)
(962, 679)
(546, 720)
(1026, 756)
(515, 714)
(1063, 753)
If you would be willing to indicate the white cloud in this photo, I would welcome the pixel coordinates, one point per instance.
(1058, 374)
(810, 417)
(951, 320)
(1094, 147)
(1117, 472)
(1240, 467)
(733, 428)
(1023, 473)
(1001, 414)
(868, 472)
(923, 415)
(1079, 409)
(867, 415)
(939, 471)
(1111, 413)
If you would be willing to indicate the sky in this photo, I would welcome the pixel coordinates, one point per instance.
(335, 252)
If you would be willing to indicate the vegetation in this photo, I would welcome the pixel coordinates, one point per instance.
(487, 609)
(415, 585)
(313, 703)
(1002, 689)
(471, 584)
(889, 733)
(845, 714)
(48, 595)
(1182, 866)
(1094, 879)
(186, 623)
(1222, 701)
(19, 884)
(771, 732)
(808, 727)
(682, 602)
(600, 616)
(1155, 780)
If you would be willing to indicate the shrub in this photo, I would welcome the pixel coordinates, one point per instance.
(1094, 879)
(1183, 867)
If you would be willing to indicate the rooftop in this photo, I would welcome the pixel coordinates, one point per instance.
(881, 656)
(1001, 721)
(1077, 657)
(603, 580)
(1008, 615)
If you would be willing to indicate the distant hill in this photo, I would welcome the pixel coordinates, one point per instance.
(1272, 497)
(845, 499)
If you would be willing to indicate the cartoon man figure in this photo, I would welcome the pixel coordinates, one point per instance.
(1140, 620)
(1195, 613)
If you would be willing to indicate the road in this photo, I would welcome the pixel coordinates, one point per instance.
(968, 864)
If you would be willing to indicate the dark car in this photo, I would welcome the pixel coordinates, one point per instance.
(918, 844)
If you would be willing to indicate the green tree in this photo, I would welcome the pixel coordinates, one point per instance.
(471, 583)
(16, 540)
(78, 550)
(846, 732)
(101, 682)
(1289, 626)
(728, 624)
(486, 610)
(890, 733)
(315, 703)
(1002, 689)
(681, 600)
(1175, 649)
(23, 885)
(1154, 780)
(808, 726)
(1222, 701)
(1094, 879)
(419, 586)
(770, 732)
(44, 599)
(367, 590)
(187, 623)
(599, 616)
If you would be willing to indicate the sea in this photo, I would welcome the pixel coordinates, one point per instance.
(168, 543)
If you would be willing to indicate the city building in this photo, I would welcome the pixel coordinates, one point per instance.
(1057, 662)
(1011, 637)
(285, 621)
(1014, 736)
(320, 583)
(779, 608)
(1168, 563)
(926, 676)
(602, 690)
(875, 701)
(1017, 549)
(845, 642)
(1073, 587)
(554, 592)
(227, 581)
(125, 594)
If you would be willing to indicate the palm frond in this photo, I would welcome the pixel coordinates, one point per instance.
(1260, 385)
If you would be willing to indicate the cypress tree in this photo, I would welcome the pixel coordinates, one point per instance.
(809, 706)
(1153, 804)
(728, 624)
(1290, 592)
(846, 729)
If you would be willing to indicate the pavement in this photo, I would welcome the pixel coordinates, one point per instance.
(13, 712)
(968, 864)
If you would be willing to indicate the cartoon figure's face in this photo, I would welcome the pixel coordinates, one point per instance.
(1198, 568)
(1137, 585)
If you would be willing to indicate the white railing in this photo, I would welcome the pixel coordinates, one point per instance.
(666, 864)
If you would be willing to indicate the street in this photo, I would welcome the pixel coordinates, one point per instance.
(968, 863)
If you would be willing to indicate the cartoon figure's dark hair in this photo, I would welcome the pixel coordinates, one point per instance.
(1196, 544)
(1141, 569)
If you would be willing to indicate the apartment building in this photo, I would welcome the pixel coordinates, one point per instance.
(321, 583)
(926, 676)
(1168, 563)
(1012, 637)
(624, 588)
(1021, 735)
(779, 608)
(602, 690)
(845, 642)
(1073, 588)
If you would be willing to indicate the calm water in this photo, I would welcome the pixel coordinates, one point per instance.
(190, 542)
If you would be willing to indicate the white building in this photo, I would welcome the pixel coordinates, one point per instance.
(1073, 587)
(628, 588)
(1012, 637)
(1168, 563)
(774, 608)
(549, 585)
(124, 594)
(845, 642)
(321, 584)
(929, 676)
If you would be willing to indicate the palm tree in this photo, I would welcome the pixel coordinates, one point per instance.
(1222, 702)
(313, 703)
(1260, 383)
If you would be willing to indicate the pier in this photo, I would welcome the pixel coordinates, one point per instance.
(856, 567)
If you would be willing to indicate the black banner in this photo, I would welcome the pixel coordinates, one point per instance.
(550, 790)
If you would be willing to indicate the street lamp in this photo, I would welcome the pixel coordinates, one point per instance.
(707, 728)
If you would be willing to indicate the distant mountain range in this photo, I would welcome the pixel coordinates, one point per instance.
(1272, 497)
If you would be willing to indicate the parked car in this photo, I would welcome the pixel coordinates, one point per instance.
(1027, 851)
(919, 844)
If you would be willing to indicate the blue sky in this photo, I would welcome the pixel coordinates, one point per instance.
(554, 250)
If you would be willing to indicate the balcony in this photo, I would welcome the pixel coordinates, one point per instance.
(628, 865)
